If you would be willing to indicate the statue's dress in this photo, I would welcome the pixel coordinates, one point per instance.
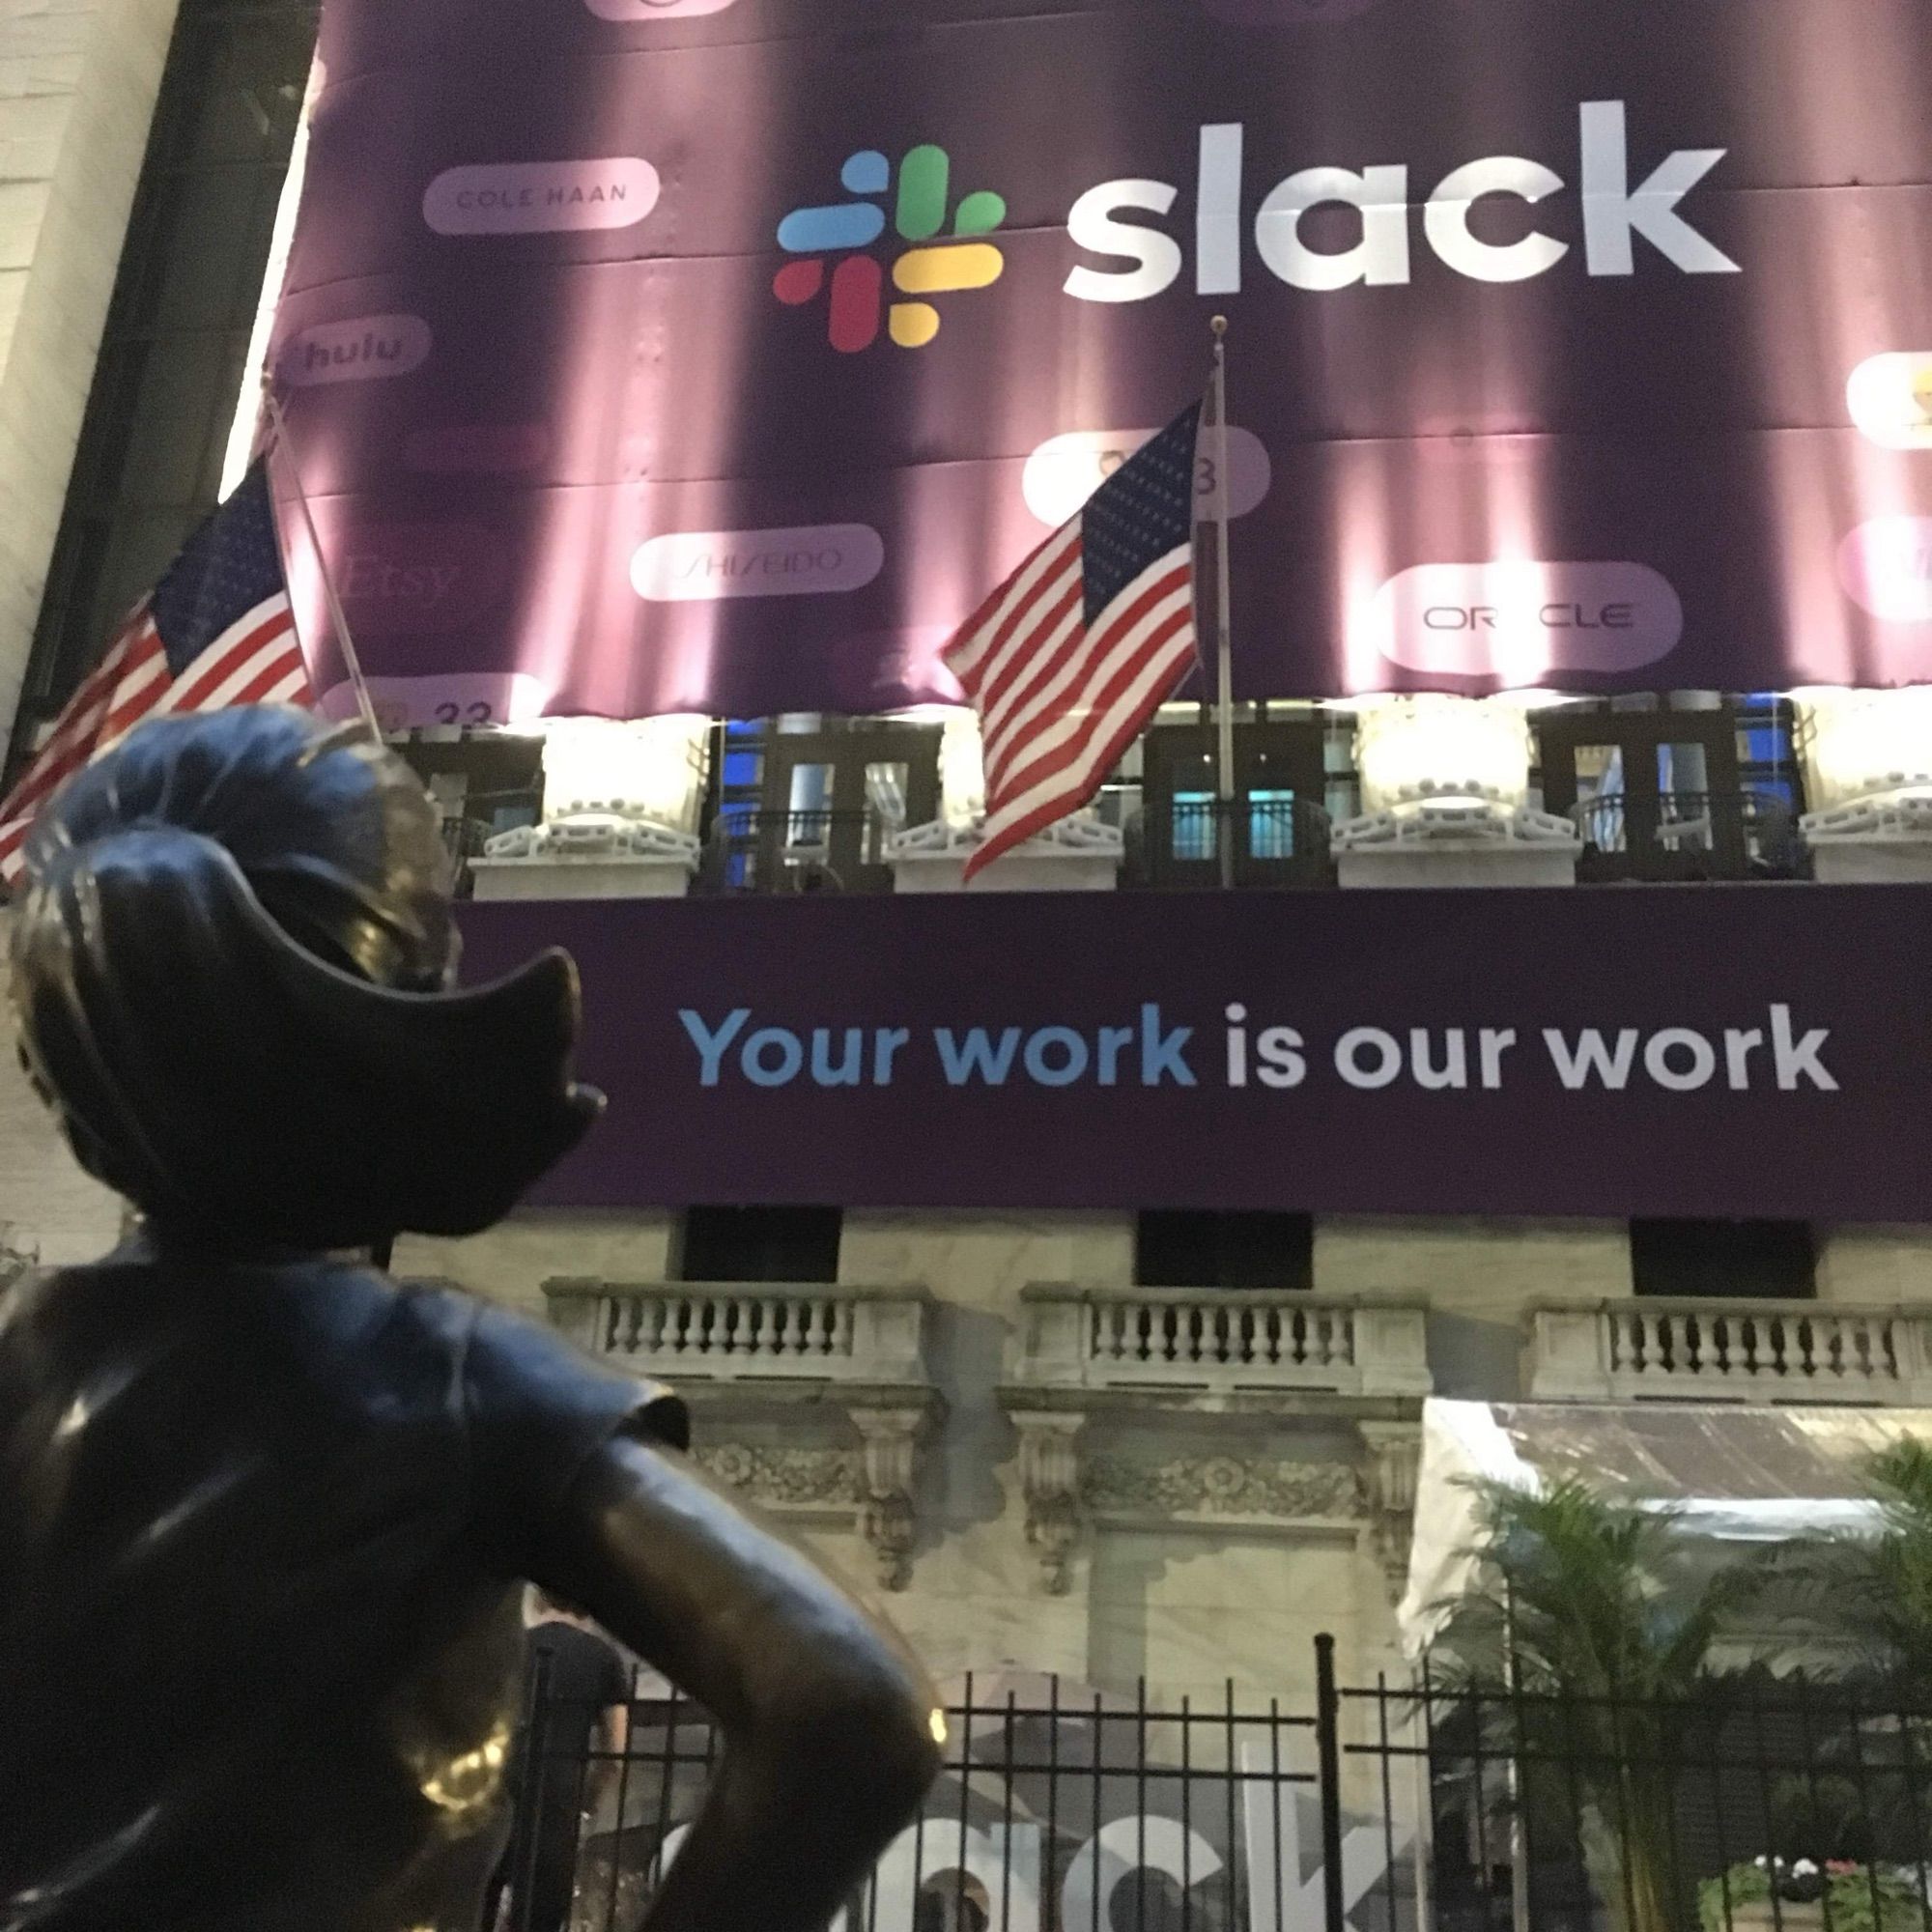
(260, 1636)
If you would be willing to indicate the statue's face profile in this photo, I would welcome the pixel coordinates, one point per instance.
(232, 961)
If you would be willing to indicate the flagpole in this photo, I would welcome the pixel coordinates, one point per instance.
(278, 424)
(1224, 706)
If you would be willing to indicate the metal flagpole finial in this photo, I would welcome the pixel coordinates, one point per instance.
(1219, 326)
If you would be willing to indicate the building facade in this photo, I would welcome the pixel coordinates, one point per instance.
(1155, 1440)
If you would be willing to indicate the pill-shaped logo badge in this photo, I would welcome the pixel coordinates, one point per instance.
(419, 579)
(529, 197)
(1287, 13)
(363, 349)
(1520, 622)
(492, 449)
(1065, 470)
(1885, 566)
(654, 9)
(1889, 398)
(451, 697)
(707, 566)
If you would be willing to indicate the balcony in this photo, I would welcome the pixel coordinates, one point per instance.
(1728, 1350)
(1154, 1405)
(1689, 836)
(763, 1332)
(1220, 1341)
(812, 1400)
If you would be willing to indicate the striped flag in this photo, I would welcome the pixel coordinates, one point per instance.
(216, 631)
(1067, 660)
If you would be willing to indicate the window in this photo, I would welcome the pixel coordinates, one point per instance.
(1769, 1260)
(174, 351)
(760, 1244)
(1676, 793)
(808, 803)
(1180, 1248)
(483, 783)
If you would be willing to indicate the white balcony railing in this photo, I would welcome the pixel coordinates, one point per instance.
(1217, 1339)
(1728, 1350)
(748, 1331)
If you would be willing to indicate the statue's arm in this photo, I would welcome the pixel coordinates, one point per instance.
(830, 1725)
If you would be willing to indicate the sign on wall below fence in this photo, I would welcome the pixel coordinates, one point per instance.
(1750, 1050)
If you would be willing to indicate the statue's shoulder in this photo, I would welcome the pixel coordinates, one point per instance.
(81, 1293)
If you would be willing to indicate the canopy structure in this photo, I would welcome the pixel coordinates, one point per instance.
(1735, 1475)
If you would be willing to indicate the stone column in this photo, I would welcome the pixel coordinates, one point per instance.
(621, 804)
(1868, 773)
(78, 80)
(1078, 855)
(1445, 799)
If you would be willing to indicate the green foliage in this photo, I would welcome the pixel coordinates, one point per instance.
(1855, 1898)
(1596, 1602)
(1604, 1639)
(1717, 1898)
(1872, 1595)
(1889, 1607)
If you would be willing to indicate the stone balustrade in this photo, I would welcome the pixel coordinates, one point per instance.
(1221, 1340)
(763, 1332)
(1727, 1350)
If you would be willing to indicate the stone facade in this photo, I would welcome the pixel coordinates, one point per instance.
(48, 1208)
(1111, 1535)
(1202, 1546)
(77, 85)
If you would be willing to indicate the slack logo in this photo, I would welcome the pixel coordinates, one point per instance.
(932, 266)
(1616, 216)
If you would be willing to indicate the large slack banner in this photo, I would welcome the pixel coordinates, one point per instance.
(1640, 1050)
(722, 355)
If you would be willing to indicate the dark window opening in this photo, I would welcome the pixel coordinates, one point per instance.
(760, 1244)
(1181, 1248)
(1771, 1261)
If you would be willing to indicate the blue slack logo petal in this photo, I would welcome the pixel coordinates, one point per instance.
(812, 231)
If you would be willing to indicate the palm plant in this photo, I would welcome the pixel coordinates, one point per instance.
(1874, 1593)
(1865, 1596)
(1594, 1656)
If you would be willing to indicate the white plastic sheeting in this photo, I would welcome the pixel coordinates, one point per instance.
(1734, 1475)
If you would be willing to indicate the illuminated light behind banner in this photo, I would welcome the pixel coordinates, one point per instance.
(721, 354)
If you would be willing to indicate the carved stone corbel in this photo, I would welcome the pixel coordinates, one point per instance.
(1050, 1484)
(890, 1443)
(1389, 1477)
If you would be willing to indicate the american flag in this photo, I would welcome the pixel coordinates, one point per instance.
(1067, 660)
(215, 632)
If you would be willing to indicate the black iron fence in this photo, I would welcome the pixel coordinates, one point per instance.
(1760, 1806)
(1411, 1806)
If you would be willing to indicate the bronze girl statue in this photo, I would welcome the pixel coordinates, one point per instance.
(264, 1513)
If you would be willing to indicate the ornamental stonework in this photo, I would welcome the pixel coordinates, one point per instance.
(1220, 1485)
(797, 1476)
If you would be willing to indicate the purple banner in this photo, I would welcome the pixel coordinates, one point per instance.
(721, 354)
(1762, 1050)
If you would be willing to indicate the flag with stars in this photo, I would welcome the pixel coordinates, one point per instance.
(1071, 657)
(216, 631)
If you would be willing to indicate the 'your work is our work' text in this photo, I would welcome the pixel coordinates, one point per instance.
(1776, 1053)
